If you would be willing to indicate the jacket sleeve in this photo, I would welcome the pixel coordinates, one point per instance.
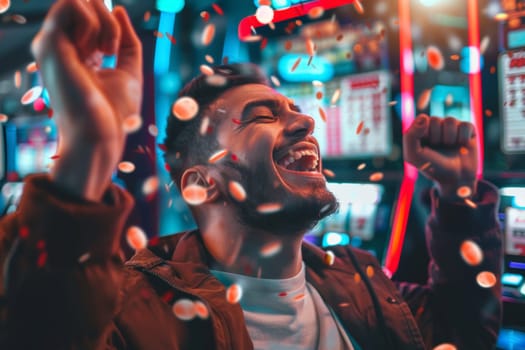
(455, 306)
(61, 268)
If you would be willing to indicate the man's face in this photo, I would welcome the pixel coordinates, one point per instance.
(273, 156)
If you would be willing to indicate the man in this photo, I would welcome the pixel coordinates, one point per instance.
(245, 279)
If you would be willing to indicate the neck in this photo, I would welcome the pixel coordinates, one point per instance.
(239, 249)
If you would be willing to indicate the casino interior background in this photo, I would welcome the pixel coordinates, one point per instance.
(376, 64)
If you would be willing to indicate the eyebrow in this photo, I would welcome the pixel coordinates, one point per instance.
(272, 104)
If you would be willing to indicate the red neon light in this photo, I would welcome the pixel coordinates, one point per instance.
(399, 226)
(475, 83)
(299, 10)
(406, 192)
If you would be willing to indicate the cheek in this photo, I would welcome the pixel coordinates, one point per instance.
(250, 148)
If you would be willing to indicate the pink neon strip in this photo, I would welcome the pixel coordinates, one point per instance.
(406, 192)
(475, 82)
(299, 10)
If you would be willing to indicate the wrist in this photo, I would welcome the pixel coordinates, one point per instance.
(457, 191)
(85, 170)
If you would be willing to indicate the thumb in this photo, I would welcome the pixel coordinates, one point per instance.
(412, 139)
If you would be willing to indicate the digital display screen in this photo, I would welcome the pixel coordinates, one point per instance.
(512, 100)
(450, 101)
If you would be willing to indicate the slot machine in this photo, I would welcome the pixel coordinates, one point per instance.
(506, 156)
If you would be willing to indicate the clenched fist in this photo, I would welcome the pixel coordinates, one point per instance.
(90, 102)
(444, 150)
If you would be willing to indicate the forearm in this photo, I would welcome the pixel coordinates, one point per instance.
(463, 310)
(84, 168)
(453, 222)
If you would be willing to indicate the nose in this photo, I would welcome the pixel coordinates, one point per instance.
(299, 125)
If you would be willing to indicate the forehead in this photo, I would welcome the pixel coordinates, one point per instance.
(241, 95)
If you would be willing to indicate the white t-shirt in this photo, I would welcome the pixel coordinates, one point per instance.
(287, 314)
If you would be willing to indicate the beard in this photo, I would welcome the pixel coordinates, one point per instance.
(301, 208)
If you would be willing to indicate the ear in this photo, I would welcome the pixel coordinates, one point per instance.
(199, 175)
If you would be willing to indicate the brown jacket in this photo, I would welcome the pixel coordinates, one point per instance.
(53, 300)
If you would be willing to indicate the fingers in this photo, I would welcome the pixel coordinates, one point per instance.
(449, 132)
(85, 24)
(413, 137)
(88, 26)
(435, 131)
(130, 49)
(109, 35)
(429, 134)
(67, 20)
(465, 133)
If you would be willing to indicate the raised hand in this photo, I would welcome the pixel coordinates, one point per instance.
(444, 150)
(90, 103)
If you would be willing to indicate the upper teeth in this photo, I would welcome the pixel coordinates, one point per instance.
(296, 155)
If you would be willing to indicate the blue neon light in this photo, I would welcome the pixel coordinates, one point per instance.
(319, 69)
(519, 201)
(511, 279)
(471, 61)
(161, 62)
(45, 97)
(109, 4)
(335, 238)
(517, 265)
(511, 339)
(172, 6)
(109, 61)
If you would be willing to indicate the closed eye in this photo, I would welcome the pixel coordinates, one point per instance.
(264, 118)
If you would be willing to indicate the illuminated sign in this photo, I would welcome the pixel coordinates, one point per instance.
(306, 70)
(301, 8)
(512, 84)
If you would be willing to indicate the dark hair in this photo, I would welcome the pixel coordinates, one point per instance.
(184, 144)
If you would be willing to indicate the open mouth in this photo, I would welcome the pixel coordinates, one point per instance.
(301, 158)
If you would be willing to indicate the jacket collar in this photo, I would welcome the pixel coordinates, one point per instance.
(183, 253)
(182, 261)
(187, 250)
